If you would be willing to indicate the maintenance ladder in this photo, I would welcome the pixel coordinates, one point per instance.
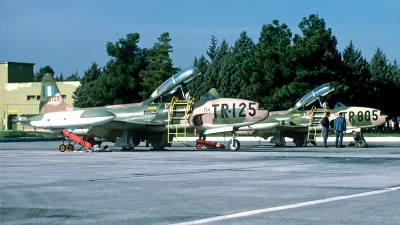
(178, 110)
(316, 115)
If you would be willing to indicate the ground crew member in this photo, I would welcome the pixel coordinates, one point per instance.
(359, 141)
(325, 128)
(339, 127)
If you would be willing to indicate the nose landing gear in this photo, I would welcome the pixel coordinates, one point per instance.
(234, 144)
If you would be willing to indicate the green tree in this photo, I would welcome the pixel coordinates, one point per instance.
(73, 77)
(202, 84)
(120, 82)
(81, 94)
(313, 60)
(213, 49)
(159, 66)
(318, 60)
(224, 85)
(393, 90)
(194, 86)
(201, 63)
(60, 78)
(212, 76)
(41, 72)
(384, 88)
(354, 76)
(232, 81)
(379, 76)
(268, 67)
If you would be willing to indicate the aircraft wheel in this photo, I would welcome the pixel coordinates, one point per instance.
(298, 142)
(70, 148)
(62, 148)
(136, 142)
(234, 146)
(156, 146)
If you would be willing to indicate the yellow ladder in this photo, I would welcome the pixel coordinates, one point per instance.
(316, 115)
(178, 110)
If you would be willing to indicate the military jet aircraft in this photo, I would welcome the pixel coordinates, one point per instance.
(153, 120)
(303, 125)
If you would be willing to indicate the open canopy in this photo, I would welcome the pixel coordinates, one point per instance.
(174, 82)
(313, 95)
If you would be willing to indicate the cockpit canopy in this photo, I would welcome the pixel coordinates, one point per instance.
(174, 82)
(206, 95)
(313, 96)
(212, 93)
(339, 104)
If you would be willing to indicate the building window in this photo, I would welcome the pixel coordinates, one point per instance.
(30, 97)
(37, 97)
(63, 97)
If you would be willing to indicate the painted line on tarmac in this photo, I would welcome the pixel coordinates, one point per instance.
(285, 207)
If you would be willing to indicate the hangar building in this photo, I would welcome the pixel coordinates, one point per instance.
(19, 95)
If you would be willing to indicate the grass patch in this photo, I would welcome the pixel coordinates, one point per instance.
(16, 134)
(383, 134)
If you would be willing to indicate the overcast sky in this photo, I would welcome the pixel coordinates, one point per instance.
(70, 35)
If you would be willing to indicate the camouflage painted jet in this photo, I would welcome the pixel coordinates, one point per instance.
(153, 120)
(302, 125)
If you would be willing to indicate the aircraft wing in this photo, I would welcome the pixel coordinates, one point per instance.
(113, 129)
(270, 126)
(219, 130)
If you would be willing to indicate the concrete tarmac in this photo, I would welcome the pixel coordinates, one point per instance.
(259, 184)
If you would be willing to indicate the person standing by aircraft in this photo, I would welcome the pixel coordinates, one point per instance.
(202, 136)
(339, 127)
(188, 95)
(325, 128)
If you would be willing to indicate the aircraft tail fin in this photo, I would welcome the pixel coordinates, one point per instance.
(51, 99)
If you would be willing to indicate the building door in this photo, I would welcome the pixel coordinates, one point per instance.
(12, 122)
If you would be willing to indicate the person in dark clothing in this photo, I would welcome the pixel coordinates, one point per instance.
(325, 128)
(359, 141)
(339, 127)
(202, 136)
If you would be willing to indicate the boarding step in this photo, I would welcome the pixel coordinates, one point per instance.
(316, 116)
(178, 110)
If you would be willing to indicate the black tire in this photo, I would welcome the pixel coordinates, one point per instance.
(70, 148)
(298, 142)
(136, 142)
(235, 146)
(62, 148)
(157, 146)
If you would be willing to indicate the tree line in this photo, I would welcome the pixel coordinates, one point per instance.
(276, 71)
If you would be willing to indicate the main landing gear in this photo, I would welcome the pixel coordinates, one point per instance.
(301, 140)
